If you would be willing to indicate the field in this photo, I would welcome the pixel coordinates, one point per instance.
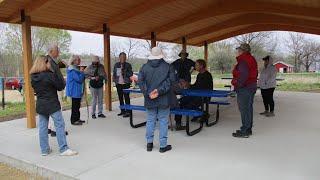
(303, 82)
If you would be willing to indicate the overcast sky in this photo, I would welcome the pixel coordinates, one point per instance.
(93, 43)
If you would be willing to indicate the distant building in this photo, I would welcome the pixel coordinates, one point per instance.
(283, 67)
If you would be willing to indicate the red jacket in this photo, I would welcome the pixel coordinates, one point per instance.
(242, 78)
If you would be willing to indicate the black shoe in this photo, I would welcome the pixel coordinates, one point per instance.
(53, 134)
(77, 123)
(126, 115)
(240, 134)
(195, 119)
(94, 116)
(82, 121)
(249, 132)
(179, 127)
(49, 131)
(149, 147)
(101, 116)
(120, 114)
(165, 149)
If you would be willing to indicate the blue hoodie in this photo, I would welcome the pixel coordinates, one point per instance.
(75, 79)
(155, 74)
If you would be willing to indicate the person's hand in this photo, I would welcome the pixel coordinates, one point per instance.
(134, 78)
(81, 68)
(184, 84)
(97, 78)
(154, 94)
(93, 78)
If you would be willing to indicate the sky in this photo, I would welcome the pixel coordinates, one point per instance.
(90, 43)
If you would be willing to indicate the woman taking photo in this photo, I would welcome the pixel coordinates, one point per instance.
(267, 84)
(74, 88)
(46, 84)
(122, 73)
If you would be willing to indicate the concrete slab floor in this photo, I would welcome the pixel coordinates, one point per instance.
(283, 147)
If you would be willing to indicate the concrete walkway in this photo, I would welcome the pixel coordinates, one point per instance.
(285, 147)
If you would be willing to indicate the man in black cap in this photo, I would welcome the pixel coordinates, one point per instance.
(184, 66)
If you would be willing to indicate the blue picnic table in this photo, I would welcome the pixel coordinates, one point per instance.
(206, 95)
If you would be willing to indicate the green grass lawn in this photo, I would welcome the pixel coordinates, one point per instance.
(303, 82)
(12, 109)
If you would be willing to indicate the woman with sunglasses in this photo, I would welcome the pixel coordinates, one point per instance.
(122, 73)
(46, 83)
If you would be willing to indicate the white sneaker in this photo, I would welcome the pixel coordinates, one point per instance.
(69, 152)
(47, 153)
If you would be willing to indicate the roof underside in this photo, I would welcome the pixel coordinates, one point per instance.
(197, 20)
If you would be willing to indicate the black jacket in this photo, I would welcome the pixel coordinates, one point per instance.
(127, 72)
(45, 85)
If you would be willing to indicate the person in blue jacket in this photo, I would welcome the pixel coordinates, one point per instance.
(74, 88)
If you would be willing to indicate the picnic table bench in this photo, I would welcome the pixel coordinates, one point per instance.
(183, 112)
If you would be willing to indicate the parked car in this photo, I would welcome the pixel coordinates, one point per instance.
(12, 83)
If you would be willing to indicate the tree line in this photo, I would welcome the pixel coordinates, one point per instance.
(300, 51)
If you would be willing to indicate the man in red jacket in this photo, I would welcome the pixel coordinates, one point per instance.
(244, 81)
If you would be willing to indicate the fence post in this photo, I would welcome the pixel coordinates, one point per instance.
(3, 102)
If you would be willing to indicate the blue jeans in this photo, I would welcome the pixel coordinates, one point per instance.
(60, 130)
(245, 98)
(162, 114)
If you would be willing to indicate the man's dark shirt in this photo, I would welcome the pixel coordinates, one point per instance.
(204, 81)
(183, 68)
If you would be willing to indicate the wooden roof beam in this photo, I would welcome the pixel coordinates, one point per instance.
(229, 7)
(135, 11)
(2, 2)
(261, 27)
(253, 18)
(29, 8)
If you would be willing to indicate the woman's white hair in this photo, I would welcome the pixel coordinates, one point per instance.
(52, 47)
(95, 59)
(72, 59)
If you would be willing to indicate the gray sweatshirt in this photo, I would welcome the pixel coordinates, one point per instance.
(267, 78)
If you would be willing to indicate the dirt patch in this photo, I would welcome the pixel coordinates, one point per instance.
(314, 91)
(7, 172)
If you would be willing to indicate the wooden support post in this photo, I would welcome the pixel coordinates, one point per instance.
(206, 51)
(27, 64)
(107, 66)
(184, 44)
(153, 40)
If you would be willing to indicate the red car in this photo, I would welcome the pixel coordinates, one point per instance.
(12, 83)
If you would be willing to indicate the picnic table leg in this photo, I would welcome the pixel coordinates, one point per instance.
(135, 125)
(209, 124)
(191, 133)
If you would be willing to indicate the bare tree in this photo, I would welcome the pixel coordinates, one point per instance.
(261, 43)
(295, 45)
(310, 53)
(130, 47)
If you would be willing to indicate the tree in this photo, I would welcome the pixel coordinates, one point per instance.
(41, 39)
(310, 53)
(221, 56)
(261, 43)
(11, 45)
(295, 45)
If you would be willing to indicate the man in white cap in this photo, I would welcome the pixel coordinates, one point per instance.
(97, 75)
(154, 81)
